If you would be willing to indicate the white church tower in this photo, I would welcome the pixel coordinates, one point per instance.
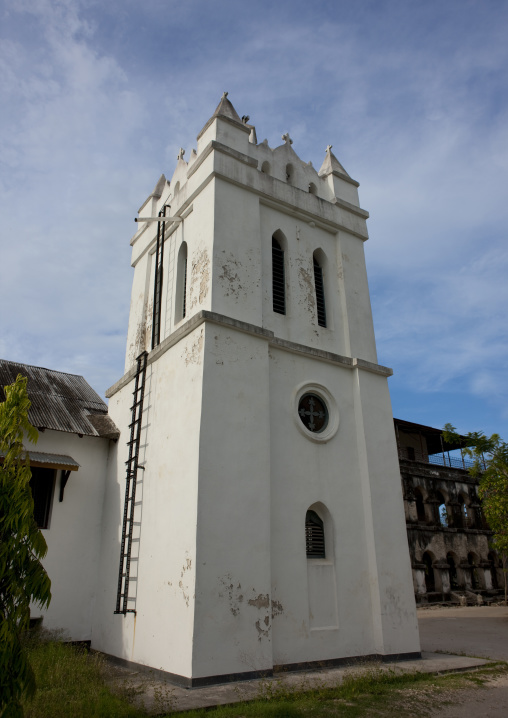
(267, 528)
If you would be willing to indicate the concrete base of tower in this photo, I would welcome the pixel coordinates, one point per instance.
(187, 682)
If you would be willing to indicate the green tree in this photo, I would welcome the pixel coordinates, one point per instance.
(22, 546)
(490, 456)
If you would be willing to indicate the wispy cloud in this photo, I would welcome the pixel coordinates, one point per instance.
(98, 98)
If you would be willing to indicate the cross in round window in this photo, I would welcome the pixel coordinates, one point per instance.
(313, 413)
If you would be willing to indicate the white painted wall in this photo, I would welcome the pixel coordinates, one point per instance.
(224, 585)
(161, 634)
(73, 535)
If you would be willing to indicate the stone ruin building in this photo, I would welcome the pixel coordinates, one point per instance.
(448, 536)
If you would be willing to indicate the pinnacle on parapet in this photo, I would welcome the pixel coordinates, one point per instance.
(226, 109)
(161, 183)
(331, 164)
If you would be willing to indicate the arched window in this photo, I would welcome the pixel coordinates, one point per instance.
(452, 570)
(320, 293)
(430, 582)
(312, 188)
(289, 173)
(181, 283)
(465, 518)
(278, 279)
(314, 535)
(475, 581)
(420, 506)
(442, 513)
(265, 168)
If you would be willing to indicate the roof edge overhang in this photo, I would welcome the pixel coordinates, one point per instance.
(44, 460)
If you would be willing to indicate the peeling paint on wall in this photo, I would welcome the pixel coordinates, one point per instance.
(235, 598)
(277, 608)
(149, 322)
(306, 280)
(261, 601)
(229, 279)
(199, 279)
(262, 633)
(137, 345)
(192, 353)
(186, 566)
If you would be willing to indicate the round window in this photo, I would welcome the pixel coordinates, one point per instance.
(313, 413)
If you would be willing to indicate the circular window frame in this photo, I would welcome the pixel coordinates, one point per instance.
(331, 405)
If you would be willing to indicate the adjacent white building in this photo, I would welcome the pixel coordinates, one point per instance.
(69, 464)
(267, 525)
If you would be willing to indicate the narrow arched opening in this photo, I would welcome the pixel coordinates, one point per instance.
(430, 582)
(314, 535)
(312, 188)
(475, 580)
(278, 275)
(442, 513)
(420, 506)
(465, 512)
(452, 570)
(181, 284)
(320, 291)
(265, 168)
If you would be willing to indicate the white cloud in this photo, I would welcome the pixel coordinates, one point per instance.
(99, 97)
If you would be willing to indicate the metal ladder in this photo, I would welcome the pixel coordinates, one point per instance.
(122, 596)
(157, 287)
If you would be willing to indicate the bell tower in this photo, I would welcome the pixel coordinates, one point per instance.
(267, 527)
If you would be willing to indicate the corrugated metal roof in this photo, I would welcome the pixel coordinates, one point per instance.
(60, 401)
(56, 461)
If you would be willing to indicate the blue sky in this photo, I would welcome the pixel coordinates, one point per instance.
(97, 97)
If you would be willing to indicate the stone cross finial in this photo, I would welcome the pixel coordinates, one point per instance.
(181, 154)
(329, 148)
(287, 139)
(224, 95)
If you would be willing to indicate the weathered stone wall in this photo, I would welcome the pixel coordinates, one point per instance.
(447, 534)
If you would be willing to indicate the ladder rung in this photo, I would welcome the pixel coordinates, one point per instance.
(131, 475)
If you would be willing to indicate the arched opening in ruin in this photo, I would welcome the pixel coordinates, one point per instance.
(493, 560)
(465, 517)
(473, 562)
(430, 582)
(452, 570)
(442, 513)
(420, 505)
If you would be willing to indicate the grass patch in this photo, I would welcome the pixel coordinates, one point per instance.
(70, 683)
(372, 692)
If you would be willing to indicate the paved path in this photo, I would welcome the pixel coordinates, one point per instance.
(475, 631)
(157, 696)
